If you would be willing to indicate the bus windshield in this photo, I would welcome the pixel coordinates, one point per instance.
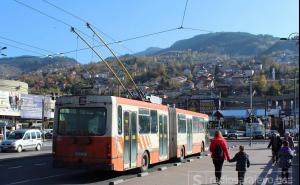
(84, 121)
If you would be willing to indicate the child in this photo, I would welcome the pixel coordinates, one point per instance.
(285, 160)
(242, 163)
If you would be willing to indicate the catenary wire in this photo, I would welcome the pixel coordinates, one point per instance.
(24, 49)
(24, 44)
(86, 21)
(51, 17)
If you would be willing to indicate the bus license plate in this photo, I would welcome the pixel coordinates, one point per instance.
(80, 154)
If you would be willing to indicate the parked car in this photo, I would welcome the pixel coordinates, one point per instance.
(258, 135)
(272, 132)
(19, 140)
(232, 135)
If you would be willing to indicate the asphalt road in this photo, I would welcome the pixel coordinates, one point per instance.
(37, 169)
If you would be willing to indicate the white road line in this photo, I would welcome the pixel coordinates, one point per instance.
(36, 179)
(40, 164)
(265, 180)
(15, 167)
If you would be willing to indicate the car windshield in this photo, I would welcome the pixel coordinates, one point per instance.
(16, 135)
(82, 121)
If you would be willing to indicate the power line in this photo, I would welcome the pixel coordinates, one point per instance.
(125, 40)
(24, 49)
(84, 21)
(197, 29)
(51, 17)
(18, 42)
(184, 13)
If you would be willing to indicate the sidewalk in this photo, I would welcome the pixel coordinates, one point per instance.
(201, 171)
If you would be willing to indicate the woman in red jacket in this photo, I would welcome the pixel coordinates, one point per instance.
(219, 153)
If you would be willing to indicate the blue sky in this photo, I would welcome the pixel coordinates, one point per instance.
(126, 19)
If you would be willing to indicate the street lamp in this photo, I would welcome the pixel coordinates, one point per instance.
(3, 48)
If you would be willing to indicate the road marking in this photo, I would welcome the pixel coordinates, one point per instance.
(15, 167)
(37, 179)
(40, 164)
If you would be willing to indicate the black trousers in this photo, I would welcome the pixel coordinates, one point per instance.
(241, 177)
(275, 155)
(285, 173)
(218, 169)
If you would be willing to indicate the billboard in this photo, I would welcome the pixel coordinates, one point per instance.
(32, 106)
(9, 103)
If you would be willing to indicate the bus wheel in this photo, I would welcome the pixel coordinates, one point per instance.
(145, 162)
(181, 158)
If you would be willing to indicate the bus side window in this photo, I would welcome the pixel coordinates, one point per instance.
(119, 120)
(181, 123)
(154, 127)
(144, 121)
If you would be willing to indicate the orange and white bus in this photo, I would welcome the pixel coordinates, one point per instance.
(114, 133)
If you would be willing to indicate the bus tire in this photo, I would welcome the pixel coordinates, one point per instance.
(181, 157)
(145, 162)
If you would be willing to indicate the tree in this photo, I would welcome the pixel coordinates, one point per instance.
(261, 85)
(274, 90)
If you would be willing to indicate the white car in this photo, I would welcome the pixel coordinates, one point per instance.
(19, 140)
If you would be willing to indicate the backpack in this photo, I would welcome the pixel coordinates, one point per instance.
(218, 152)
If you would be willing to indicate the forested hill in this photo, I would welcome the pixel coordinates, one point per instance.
(14, 66)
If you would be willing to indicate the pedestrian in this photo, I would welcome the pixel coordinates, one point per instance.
(285, 160)
(275, 143)
(219, 153)
(289, 139)
(242, 163)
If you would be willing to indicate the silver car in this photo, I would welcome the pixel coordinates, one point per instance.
(19, 140)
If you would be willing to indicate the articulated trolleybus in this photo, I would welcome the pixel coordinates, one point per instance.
(114, 133)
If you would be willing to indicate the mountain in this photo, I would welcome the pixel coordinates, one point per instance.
(149, 51)
(231, 43)
(14, 66)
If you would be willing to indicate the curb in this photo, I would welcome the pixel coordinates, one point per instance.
(162, 168)
(119, 181)
(143, 174)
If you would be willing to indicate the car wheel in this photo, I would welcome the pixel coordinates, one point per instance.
(19, 149)
(145, 162)
(38, 147)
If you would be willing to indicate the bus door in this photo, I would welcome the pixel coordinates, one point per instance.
(163, 136)
(189, 136)
(130, 139)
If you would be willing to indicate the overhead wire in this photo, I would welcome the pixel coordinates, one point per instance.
(110, 43)
(24, 49)
(51, 17)
(28, 45)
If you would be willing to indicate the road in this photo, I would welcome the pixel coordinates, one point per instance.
(37, 169)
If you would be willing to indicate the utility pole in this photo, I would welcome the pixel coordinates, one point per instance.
(295, 101)
(250, 143)
(265, 120)
(43, 117)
